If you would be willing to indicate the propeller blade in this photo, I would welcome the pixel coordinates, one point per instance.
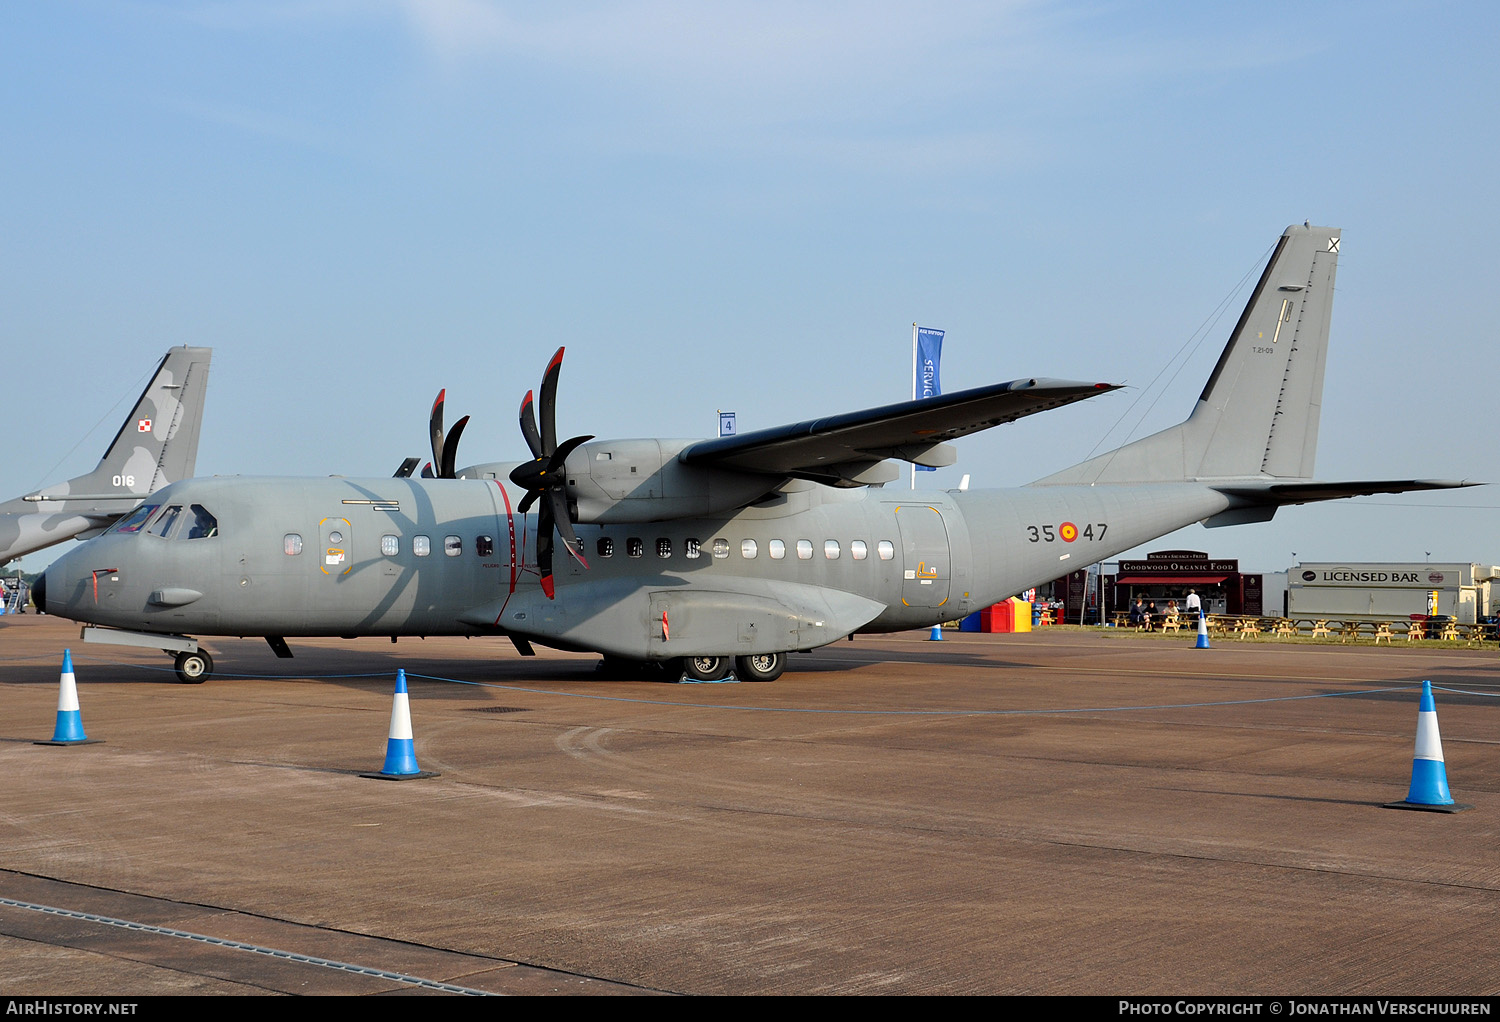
(571, 543)
(544, 546)
(526, 502)
(406, 468)
(560, 456)
(549, 403)
(528, 426)
(427, 472)
(450, 449)
(436, 424)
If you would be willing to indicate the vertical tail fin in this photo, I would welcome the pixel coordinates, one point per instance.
(1258, 414)
(158, 442)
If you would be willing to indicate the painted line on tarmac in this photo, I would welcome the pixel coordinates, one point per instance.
(235, 945)
(919, 713)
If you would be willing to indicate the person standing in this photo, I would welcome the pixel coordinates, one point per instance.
(1194, 605)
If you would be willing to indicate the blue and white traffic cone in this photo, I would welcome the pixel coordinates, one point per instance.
(1429, 775)
(400, 753)
(69, 729)
(1202, 631)
(937, 634)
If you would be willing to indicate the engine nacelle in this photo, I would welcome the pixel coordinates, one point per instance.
(642, 481)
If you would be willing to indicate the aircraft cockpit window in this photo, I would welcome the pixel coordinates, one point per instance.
(858, 550)
(484, 546)
(721, 548)
(777, 549)
(804, 549)
(202, 525)
(690, 547)
(634, 547)
(748, 549)
(452, 546)
(162, 523)
(831, 549)
(390, 546)
(663, 548)
(606, 546)
(291, 544)
(133, 521)
(885, 549)
(421, 545)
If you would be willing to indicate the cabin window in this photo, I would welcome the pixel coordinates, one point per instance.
(777, 549)
(885, 550)
(484, 546)
(605, 546)
(164, 521)
(663, 548)
(691, 548)
(133, 521)
(804, 549)
(204, 525)
(858, 550)
(390, 546)
(634, 547)
(452, 546)
(421, 545)
(721, 548)
(291, 544)
(747, 549)
(831, 549)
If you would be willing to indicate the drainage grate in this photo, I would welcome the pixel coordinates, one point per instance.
(499, 709)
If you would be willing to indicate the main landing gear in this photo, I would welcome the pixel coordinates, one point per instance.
(760, 667)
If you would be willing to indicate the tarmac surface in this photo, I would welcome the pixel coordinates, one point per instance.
(1066, 812)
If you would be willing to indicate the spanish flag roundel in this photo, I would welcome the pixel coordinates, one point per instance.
(1068, 531)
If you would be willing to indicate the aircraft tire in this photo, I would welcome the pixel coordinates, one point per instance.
(706, 668)
(760, 667)
(194, 668)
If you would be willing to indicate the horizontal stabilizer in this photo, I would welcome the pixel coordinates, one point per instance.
(832, 448)
(1308, 492)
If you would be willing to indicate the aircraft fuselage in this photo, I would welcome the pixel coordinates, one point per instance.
(435, 557)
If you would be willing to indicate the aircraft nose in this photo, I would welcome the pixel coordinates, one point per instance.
(39, 592)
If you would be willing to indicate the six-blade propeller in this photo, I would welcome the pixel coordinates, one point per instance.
(543, 478)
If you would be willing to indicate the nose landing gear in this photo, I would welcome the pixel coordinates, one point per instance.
(194, 668)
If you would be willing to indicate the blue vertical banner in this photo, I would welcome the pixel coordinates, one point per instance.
(929, 345)
(929, 355)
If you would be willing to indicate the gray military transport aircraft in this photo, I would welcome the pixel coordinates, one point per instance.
(715, 556)
(157, 444)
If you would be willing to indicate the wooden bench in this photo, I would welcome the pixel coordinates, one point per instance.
(1284, 626)
(1416, 631)
(1321, 628)
(1248, 627)
(1171, 623)
(1383, 631)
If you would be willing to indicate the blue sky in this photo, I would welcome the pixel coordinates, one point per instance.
(745, 206)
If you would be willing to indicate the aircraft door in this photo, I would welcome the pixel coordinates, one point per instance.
(336, 549)
(926, 558)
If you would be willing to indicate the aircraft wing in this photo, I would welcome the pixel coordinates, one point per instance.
(836, 448)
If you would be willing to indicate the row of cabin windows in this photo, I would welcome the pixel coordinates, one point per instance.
(484, 546)
(750, 549)
(390, 546)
